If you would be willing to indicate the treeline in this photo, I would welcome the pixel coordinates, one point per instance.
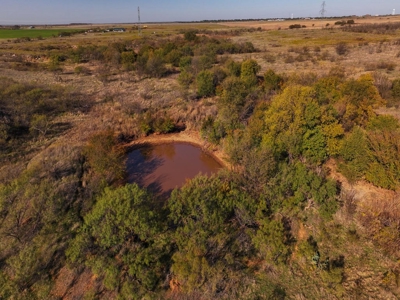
(310, 118)
(377, 28)
(158, 58)
(201, 242)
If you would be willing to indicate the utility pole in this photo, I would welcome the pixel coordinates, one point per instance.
(322, 11)
(139, 28)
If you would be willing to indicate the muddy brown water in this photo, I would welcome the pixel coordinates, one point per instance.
(161, 168)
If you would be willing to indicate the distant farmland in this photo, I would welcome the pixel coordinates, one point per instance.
(32, 33)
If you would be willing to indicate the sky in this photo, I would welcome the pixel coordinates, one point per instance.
(124, 11)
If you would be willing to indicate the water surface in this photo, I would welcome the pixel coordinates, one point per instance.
(161, 168)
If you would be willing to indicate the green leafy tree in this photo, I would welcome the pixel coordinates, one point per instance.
(314, 145)
(185, 62)
(205, 84)
(39, 125)
(360, 97)
(174, 57)
(356, 155)
(128, 59)
(206, 236)
(185, 78)
(233, 67)
(155, 66)
(248, 72)
(328, 89)
(190, 35)
(104, 156)
(273, 240)
(272, 81)
(285, 123)
(121, 240)
(384, 145)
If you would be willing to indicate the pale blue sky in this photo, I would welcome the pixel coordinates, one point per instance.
(108, 11)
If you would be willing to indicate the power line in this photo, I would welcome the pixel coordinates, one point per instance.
(323, 10)
(139, 28)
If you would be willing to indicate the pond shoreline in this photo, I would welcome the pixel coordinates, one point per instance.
(189, 137)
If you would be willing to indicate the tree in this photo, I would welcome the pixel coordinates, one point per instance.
(205, 84)
(272, 81)
(155, 66)
(342, 48)
(185, 62)
(273, 240)
(396, 90)
(285, 122)
(314, 145)
(185, 78)
(233, 67)
(356, 155)
(190, 35)
(248, 72)
(104, 156)
(121, 239)
(210, 244)
(128, 59)
(39, 125)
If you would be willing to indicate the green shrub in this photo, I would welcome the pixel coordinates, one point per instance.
(81, 70)
(396, 91)
(294, 26)
(233, 67)
(128, 59)
(205, 84)
(185, 78)
(342, 48)
(120, 240)
(163, 124)
(185, 62)
(104, 156)
(212, 130)
(248, 72)
(356, 155)
(190, 35)
(272, 81)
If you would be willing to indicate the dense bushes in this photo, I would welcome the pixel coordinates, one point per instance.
(381, 28)
(156, 59)
(205, 84)
(105, 157)
(120, 241)
(37, 210)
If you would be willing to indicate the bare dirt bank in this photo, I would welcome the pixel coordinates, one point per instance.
(190, 137)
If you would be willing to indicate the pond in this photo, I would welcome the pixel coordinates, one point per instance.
(161, 168)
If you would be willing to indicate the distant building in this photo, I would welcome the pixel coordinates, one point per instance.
(119, 29)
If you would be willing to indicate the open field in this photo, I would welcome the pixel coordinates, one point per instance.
(310, 23)
(32, 33)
